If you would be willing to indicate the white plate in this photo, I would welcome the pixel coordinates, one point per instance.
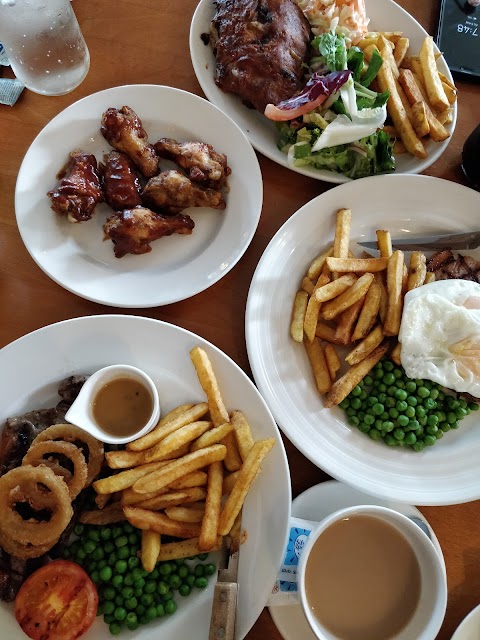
(315, 504)
(384, 15)
(447, 473)
(178, 266)
(38, 361)
(470, 627)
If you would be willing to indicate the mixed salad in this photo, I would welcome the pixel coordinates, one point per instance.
(336, 122)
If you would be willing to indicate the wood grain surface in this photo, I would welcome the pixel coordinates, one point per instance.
(147, 42)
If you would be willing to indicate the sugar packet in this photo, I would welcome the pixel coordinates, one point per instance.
(3, 57)
(285, 590)
(10, 89)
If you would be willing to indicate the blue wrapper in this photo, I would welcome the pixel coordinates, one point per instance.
(3, 56)
(285, 588)
(10, 91)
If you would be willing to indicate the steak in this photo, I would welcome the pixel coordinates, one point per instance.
(446, 266)
(260, 47)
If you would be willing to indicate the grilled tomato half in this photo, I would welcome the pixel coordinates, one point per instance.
(57, 602)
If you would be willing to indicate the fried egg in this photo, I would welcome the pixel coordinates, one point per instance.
(440, 334)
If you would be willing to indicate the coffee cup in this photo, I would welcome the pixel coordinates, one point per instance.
(370, 572)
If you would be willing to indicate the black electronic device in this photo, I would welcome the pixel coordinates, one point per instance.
(458, 36)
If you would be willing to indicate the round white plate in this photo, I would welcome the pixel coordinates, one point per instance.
(447, 473)
(315, 504)
(179, 266)
(384, 15)
(37, 362)
(470, 627)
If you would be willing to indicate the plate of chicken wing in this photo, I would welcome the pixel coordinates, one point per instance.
(138, 196)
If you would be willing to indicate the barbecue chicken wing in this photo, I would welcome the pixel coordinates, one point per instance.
(201, 161)
(121, 185)
(132, 230)
(259, 46)
(171, 192)
(79, 190)
(123, 129)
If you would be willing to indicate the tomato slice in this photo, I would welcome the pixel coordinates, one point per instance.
(57, 602)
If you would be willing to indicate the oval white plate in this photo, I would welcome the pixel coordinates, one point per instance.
(447, 473)
(179, 266)
(470, 627)
(317, 503)
(39, 360)
(384, 15)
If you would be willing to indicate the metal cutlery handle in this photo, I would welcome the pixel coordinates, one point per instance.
(224, 610)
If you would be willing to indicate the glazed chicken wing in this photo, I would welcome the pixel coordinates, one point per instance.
(260, 47)
(171, 192)
(79, 190)
(121, 185)
(123, 129)
(202, 162)
(132, 230)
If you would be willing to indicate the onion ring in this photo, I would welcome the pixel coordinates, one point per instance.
(71, 433)
(23, 551)
(15, 486)
(36, 456)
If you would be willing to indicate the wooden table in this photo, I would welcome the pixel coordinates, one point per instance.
(148, 43)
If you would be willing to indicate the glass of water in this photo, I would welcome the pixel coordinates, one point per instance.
(44, 44)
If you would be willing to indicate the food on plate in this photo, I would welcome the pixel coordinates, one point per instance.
(79, 190)
(401, 411)
(121, 184)
(446, 266)
(143, 211)
(392, 318)
(202, 162)
(132, 230)
(361, 97)
(57, 602)
(440, 335)
(123, 129)
(253, 41)
(171, 192)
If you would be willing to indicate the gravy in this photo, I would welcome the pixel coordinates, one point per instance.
(122, 407)
(362, 579)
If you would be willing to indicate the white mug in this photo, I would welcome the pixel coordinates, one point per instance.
(428, 616)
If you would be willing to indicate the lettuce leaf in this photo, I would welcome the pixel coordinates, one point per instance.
(332, 49)
(374, 65)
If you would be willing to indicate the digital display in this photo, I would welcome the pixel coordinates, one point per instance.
(458, 35)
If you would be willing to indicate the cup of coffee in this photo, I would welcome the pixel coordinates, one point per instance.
(370, 572)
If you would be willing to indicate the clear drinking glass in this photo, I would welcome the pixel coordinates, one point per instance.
(44, 44)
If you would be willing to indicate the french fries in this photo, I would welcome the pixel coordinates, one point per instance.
(202, 460)
(298, 315)
(414, 92)
(313, 309)
(341, 240)
(362, 317)
(435, 90)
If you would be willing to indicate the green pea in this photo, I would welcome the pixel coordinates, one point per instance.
(184, 590)
(378, 374)
(174, 581)
(131, 618)
(400, 394)
(374, 434)
(150, 587)
(108, 547)
(418, 446)
(423, 420)
(400, 384)
(95, 576)
(401, 406)
(399, 434)
(170, 607)
(121, 541)
(160, 610)
(117, 531)
(378, 409)
(388, 426)
(389, 379)
(356, 391)
(120, 566)
(89, 547)
(98, 553)
(209, 569)
(115, 628)
(131, 603)
(120, 614)
(138, 573)
(382, 397)
(460, 413)
(420, 412)
(127, 592)
(410, 412)
(133, 562)
(354, 421)
(108, 618)
(162, 588)
(183, 571)
(410, 438)
(81, 554)
(356, 403)
(132, 626)
(430, 404)
(112, 558)
(439, 434)
(138, 593)
(199, 571)
(128, 580)
(410, 386)
(369, 419)
(167, 596)
(78, 529)
(105, 533)
(413, 425)
(147, 599)
(201, 582)
(363, 395)
(190, 580)
(391, 391)
(402, 421)
(118, 600)
(123, 553)
(423, 392)
(108, 607)
(139, 584)
(451, 417)
(432, 420)
(473, 406)
(151, 613)
(444, 426)
(133, 538)
(364, 427)
(434, 393)
(454, 425)
(429, 440)
(387, 365)
(368, 380)
(391, 441)
(344, 404)
(106, 574)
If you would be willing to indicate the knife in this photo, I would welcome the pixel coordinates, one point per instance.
(454, 241)
(225, 595)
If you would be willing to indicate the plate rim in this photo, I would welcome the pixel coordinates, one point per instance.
(263, 383)
(286, 477)
(160, 300)
(323, 174)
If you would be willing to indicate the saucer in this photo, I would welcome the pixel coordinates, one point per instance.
(468, 629)
(315, 504)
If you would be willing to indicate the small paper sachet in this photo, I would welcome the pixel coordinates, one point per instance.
(285, 588)
(10, 89)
